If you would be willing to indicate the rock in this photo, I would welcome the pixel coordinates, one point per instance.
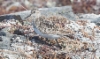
(34, 39)
(2, 33)
(65, 11)
(2, 17)
(4, 42)
(1, 57)
(76, 57)
(18, 39)
(91, 17)
(18, 32)
(5, 31)
(1, 39)
(5, 37)
(98, 54)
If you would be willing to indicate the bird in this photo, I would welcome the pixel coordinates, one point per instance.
(36, 15)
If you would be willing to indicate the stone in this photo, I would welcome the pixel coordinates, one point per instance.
(18, 32)
(5, 43)
(65, 11)
(91, 17)
(2, 17)
(2, 33)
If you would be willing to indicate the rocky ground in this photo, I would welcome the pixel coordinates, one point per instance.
(80, 37)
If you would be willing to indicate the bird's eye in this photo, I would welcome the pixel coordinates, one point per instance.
(33, 11)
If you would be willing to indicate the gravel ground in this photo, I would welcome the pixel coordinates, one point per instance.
(80, 38)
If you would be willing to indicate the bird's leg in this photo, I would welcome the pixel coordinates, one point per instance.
(58, 44)
(47, 40)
